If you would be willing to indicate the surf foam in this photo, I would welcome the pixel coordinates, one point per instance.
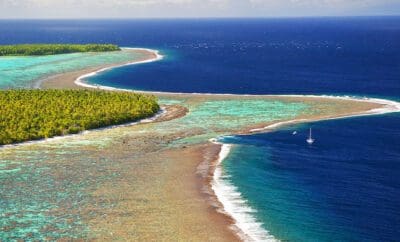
(80, 81)
(246, 225)
(389, 106)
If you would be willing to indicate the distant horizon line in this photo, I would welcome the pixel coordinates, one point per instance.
(205, 18)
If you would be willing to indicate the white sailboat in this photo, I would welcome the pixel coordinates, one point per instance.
(310, 140)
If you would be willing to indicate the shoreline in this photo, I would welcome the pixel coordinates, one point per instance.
(154, 118)
(231, 202)
(67, 79)
(388, 105)
(155, 53)
(242, 224)
(166, 113)
(233, 205)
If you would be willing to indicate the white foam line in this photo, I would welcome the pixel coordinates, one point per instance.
(246, 225)
(233, 204)
(276, 125)
(389, 107)
(46, 140)
(80, 80)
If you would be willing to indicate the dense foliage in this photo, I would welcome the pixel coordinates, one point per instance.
(53, 49)
(36, 114)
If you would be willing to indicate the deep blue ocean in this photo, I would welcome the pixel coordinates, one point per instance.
(346, 186)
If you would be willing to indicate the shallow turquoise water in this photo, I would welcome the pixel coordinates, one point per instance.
(44, 187)
(46, 191)
(213, 118)
(47, 187)
(22, 72)
(297, 190)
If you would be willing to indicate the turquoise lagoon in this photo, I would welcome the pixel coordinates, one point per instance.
(24, 72)
(47, 187)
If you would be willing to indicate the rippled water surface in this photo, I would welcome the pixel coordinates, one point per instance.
(343, 188)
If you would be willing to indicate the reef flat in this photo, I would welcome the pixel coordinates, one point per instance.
(150, 181)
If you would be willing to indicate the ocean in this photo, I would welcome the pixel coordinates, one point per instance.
(344, 187)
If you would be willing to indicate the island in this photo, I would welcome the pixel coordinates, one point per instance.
(36, 114)
(53, 49)
(159, 180)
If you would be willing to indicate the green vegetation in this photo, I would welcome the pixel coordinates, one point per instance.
(36, 114)
(53, 49)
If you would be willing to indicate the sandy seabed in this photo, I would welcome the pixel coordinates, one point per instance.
(165, 192)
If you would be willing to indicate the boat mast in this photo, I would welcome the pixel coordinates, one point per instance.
(310, 140)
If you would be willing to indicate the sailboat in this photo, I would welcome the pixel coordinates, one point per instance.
(310, 140)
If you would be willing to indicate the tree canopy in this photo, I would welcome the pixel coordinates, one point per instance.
(53, 49)
(36, 114)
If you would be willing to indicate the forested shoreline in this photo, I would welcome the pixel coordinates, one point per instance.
(36, 114)
(53, 49)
